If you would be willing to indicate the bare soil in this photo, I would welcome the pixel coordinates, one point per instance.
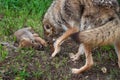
(39, 66)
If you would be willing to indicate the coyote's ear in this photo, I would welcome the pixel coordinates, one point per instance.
(48, 29)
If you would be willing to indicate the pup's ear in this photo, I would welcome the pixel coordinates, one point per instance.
(35, 35)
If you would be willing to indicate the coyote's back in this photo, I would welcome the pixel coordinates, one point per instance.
(83, 14)
(103, 35)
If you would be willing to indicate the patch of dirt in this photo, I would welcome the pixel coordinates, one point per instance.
(102, 59)
(39, 66)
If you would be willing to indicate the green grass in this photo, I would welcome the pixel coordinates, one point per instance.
(3, 53)
(30, 64)
(17, 14)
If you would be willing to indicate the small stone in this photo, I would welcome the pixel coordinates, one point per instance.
(86, 77)
(104, 69)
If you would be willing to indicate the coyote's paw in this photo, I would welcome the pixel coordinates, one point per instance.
(53, 55)
(57, 49)
(75, 71)
(73, 57)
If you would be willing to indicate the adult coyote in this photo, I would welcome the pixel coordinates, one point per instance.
(89, 22)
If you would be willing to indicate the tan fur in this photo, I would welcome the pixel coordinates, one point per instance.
(78, 19)
(28, 38)
(104, 35)
(60, 40)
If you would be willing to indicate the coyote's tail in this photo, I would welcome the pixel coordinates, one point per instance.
(103, 35)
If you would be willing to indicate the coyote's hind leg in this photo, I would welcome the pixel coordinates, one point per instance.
(89, 61)
(117, 48)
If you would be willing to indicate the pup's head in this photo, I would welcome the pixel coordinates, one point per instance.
(27, 43)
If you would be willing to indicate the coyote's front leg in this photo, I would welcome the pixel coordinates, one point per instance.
(62, 38)
(89, 61)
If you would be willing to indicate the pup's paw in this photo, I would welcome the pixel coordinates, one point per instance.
(45, 44)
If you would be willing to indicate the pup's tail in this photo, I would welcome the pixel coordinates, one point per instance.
(102, 35)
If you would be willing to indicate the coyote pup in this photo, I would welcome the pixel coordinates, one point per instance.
(28, 38)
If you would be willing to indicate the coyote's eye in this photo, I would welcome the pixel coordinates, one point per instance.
(47, 27)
